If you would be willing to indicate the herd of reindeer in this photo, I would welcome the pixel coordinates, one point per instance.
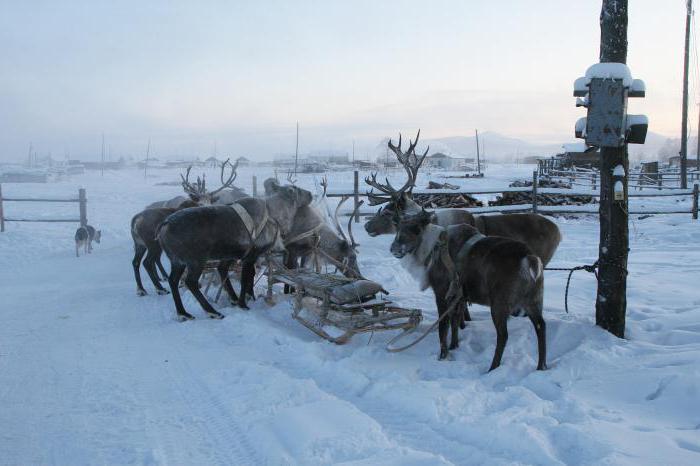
(495, 260)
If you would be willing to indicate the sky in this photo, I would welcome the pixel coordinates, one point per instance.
(236, 76)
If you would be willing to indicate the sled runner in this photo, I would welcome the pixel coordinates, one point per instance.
(336, 308)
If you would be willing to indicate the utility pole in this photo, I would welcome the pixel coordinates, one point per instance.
(145, 165)
(296, 152)
(684, 123)
(102, 165)
(353, 152)
(697, 154)
(478, 158)
(611, 300)
(29, 157)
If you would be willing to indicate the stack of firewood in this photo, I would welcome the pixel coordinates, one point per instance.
(436, 185)
(446, 201)
(542, 199)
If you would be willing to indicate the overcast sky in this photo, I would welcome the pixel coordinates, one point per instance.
(240, 74)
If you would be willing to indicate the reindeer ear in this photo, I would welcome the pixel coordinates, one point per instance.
(271, 186)
(443, 235)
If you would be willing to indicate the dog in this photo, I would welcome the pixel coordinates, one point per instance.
(84, 236)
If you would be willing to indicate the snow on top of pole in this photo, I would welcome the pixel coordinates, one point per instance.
(610, 71)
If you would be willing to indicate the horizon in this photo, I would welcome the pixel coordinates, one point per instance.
(219, 79)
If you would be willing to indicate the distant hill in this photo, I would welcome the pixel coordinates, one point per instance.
(498, 147)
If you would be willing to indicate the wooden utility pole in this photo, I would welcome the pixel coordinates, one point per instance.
(478, 159)
(684, 123)
(611, 301)
(353, 152)
(697, 154)
(145, 165)
(102, 164)
(296, 152)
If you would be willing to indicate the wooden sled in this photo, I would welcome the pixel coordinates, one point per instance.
(349, 306)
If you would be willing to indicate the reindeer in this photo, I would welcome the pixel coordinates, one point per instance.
(312, 237)
(197, 191)
(145, 224)
(539, 233)
(460, 264)
(399, 201)
(242, 231)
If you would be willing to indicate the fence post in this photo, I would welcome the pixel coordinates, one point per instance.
(2, 216)
(534, 192)
(83, 207)
(660, 179)
(356, 191)
(593, 180)
(255, 186)
(695, 202)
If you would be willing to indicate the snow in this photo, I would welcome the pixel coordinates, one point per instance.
(619, 170)
(92, 374)
(610, 71)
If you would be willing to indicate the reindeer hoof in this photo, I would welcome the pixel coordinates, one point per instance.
(141, 293)
(162, 292)
(462, 325)
(217, 316)
(185, 317)
(542, 367)
(443, 354)
(454, 346)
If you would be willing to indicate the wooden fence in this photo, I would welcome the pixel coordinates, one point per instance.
(534, 207)
(81, 200)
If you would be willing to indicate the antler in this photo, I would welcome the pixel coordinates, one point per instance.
(191, 189)
(335, 218)
(409, 161)
(290, 178)
(353, 243)
(231, 178)
(324, 184)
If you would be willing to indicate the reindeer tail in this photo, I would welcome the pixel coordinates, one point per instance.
(531, 266)
(160, 227)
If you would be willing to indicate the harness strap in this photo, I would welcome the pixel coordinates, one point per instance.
(306, 234)
(253, 230)
(480, 224)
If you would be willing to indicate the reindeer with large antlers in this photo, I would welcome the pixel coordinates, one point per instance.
(145, 224)
(398, 202)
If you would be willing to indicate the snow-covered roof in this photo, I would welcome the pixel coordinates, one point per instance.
(610, 71)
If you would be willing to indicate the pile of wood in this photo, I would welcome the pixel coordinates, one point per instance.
(446, 201)
(436, 185)
(519, 198)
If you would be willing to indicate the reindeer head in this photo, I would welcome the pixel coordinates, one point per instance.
(397, 201)
(284, 201)
(198, 191)
(409, 233)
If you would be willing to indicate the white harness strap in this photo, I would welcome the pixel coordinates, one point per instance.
(253, 230)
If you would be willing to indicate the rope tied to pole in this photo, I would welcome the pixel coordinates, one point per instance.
(592, 268)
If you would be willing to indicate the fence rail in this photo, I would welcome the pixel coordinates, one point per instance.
(81, 200)
(535, 207)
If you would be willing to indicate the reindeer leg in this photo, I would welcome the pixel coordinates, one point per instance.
(77, 247)
(176, 271)
(150, 265)
(192, 282)
(247, 279)
(541, 331)
(443, 326)
(223, 275)
(499, 315)
(139, 251)
(163, 273)
(456, 320)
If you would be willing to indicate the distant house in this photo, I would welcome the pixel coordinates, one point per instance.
(675, 162)
(578, 154)
(243, 162)
(440, 160)
(212, 162)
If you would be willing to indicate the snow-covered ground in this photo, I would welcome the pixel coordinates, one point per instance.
(92, 374)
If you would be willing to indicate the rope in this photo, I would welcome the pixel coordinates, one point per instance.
(391, 349)
(588, 268)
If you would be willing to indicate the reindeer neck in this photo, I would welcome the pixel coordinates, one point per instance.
(429, 239)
